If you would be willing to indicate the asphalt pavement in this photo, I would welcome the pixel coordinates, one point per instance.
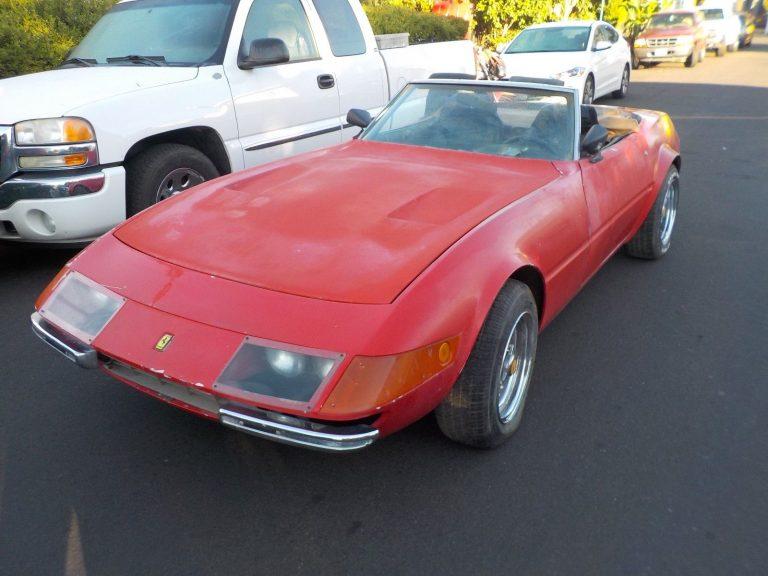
(644, 447)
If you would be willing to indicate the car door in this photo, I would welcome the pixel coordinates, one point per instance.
(600, 61)
(358, 66)
(615, 182)
(288, 108)
(618, 57)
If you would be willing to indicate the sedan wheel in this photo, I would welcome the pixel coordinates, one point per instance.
(624, 88)
(589, 91)
(485, 405)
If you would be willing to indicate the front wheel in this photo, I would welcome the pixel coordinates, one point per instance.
(720, 50)
(163, 171)
(653, 239)
(485, 406)
(692, 60)
(624, 87)
(588, 96)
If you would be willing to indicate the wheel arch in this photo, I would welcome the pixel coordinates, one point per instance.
(203, 138)
(532, 277)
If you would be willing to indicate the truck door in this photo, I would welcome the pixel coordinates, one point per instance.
(288, 108)
(360, 74)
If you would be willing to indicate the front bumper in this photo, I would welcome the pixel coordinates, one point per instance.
(267, 424)
(62, 208)
(675, 54)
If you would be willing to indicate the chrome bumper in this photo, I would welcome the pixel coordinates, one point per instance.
(37, 187)
(299, 432)
(79, 352)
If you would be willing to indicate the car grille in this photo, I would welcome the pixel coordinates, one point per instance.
(6, 160)
(661, 42)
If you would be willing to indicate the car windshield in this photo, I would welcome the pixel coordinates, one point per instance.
(713, 14)
(513, 122)
(559, 39)
(174, 32)
(671, 20)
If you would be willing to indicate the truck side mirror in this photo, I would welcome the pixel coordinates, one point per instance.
(593, 141)
(359, 118)
(264, 52)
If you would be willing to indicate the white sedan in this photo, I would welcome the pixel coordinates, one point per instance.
(590, 56)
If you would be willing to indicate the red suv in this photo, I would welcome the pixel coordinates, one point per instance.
(671, 36)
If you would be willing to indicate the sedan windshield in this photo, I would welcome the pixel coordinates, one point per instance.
(514, 122)
(148, 32)
(559, 39)
(671, 20)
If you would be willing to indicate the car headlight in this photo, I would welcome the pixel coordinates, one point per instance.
(573, 72)
(277, 371)
(54, 131)
(55, 143)
(80, 306)
(641, 43)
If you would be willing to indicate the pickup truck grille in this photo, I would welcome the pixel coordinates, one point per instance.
(661, 42)
(6, 160)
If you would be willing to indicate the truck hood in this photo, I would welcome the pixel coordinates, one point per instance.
(355, 223)
(671, 32)
(543, 64)
(56, 92)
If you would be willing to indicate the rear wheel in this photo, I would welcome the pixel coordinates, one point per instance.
(653, 239)
(163, 171)
(624, 88)
(485, 406)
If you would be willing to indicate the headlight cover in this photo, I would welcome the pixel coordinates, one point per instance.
(277, 371)
(573, 72)
(81, 307)
(54, 131)
(641, 42)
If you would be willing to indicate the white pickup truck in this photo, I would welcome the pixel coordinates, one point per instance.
(162, 95)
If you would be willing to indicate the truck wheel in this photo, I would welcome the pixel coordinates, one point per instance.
(733, 47)
(485, 406)
(163, 171)
(624, 88)
(692, 60)
(653, 239)
(720, 50)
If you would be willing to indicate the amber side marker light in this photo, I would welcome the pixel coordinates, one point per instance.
(373, 381)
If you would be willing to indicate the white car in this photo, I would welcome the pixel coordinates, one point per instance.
(590, 56)
(722, 26)
(162, 95)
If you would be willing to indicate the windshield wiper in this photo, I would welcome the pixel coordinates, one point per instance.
(137, 59)
(84, 62)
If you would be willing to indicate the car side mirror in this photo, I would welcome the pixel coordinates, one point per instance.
(594, 140)
(602, 45)
(264, 52)
(359, 118)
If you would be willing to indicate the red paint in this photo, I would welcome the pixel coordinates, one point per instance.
(400, 247)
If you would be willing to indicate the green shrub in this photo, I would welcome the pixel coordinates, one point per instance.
(36, 35)
(422, 26)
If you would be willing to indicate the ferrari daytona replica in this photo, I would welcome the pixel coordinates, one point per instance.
(336, 297)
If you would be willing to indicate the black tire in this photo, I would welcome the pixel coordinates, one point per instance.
(733, 47)
(692, 60)
(651, 242)
(470, 414)
(588, 96)
(146, 172)
(720, 51)
(622, 92)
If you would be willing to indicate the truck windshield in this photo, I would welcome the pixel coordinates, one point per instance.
(176, 32)
(551, 39)
(713, 14)
(671, 20)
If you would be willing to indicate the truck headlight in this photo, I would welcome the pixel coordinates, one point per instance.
(80, 306)
(641, 43)
(54, 131)
(277, 371)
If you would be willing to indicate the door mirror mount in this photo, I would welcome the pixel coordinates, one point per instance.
(264, 52)
(593, 141)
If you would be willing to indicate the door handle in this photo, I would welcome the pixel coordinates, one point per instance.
(325, 81)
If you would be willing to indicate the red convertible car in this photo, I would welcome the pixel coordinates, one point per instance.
(334, 298)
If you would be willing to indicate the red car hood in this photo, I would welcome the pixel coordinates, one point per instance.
(668, 32)
(354, 223)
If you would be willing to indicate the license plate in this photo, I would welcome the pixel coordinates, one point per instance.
(660, 52)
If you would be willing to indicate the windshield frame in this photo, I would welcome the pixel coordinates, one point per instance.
(216, 59)
(571, 95)
(590, 34)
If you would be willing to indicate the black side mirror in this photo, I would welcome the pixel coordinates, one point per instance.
(264, 52)
(359, 118)
(595, 138)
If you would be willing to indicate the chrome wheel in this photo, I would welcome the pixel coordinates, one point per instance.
(625, 82)
(516, 366)
(669, 212)
(589, 91)
(178, 181)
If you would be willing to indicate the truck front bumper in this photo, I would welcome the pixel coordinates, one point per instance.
(673, 54)
(62, 208)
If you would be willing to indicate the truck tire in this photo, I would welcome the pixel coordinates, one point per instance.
(653, 239)
(720, 50)
(692, 60)
(163, 171)
(485, 405)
